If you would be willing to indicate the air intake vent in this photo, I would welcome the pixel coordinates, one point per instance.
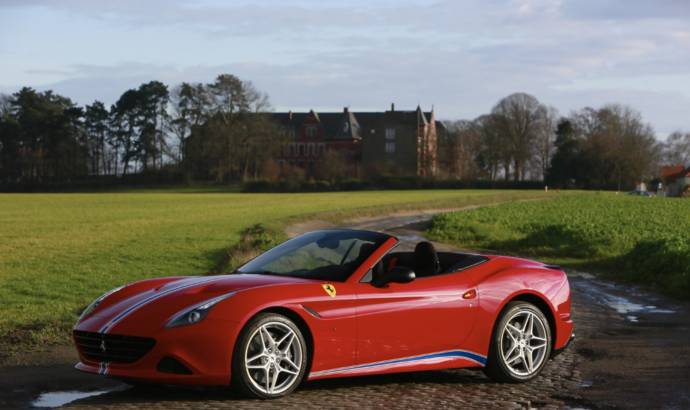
(170, 365)
(101, 347)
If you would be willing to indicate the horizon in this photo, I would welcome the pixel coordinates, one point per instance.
(325, 55)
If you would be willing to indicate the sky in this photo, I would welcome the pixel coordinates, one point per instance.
(459, 57)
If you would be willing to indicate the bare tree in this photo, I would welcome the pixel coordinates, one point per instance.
(618, 147)
(677, 149)
(520, 119)
(494, 152)
(461, 147)
(545, 140)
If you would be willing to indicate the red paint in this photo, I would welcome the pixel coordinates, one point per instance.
(362, 324)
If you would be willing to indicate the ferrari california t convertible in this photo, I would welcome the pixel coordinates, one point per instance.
(331, 303)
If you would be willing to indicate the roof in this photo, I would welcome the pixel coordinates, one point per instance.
(348, 124)
(674, 171)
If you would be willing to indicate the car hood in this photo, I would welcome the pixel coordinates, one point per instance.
(156, 301)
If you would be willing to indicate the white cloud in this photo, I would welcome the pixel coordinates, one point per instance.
(461, 56)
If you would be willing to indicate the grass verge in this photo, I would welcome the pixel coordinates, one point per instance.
(634, 239)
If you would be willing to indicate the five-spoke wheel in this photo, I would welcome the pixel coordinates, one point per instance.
(270, 358)
(521, 343)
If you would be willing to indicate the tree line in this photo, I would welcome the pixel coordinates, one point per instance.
(217, 131)
(523, 139)
(222, 131)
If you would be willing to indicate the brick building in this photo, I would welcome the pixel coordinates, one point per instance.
(391, 142)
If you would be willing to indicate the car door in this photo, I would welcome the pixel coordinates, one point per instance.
(402, 320)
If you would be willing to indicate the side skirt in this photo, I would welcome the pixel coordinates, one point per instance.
(405, 363)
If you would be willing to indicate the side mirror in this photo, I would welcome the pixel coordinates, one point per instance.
(398, 274)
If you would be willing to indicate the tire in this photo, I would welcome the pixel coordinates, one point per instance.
(270, 357)
(512, 344)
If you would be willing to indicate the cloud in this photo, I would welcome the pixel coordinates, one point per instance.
(460, 56)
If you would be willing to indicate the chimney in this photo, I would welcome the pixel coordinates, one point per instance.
(392, 107)
(290, 115)
(345, 110)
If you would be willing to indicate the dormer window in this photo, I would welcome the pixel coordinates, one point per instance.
(311, 131)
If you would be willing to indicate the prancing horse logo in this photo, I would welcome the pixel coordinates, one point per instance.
(330, 289)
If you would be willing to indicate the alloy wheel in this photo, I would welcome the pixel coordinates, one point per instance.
(273, 358)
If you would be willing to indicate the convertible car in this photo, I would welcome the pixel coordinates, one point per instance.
(331, 303)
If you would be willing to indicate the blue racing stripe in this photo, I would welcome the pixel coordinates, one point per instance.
(447, 354)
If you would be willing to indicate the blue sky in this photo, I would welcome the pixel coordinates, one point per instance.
(459, 56)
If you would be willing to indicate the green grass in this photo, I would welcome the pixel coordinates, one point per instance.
(60, 251)
(641, 240)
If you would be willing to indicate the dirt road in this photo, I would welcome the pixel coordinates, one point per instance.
(632, 351)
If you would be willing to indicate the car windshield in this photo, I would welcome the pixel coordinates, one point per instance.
(322, 255)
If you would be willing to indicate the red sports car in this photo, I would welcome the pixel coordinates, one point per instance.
(331, 303)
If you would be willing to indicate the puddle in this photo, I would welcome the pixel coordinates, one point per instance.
(609, 294)
(60, 398)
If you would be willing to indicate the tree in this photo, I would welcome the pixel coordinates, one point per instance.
(152, 119)
(124, 124)
(677, 149)
(42, 138)
(494, 153)
(96, 124)
(520, 118)
(617, 148)
(564, 167)
(459, 149)
(190, 106)
(332, 166)
(545, 140)
(233, 139)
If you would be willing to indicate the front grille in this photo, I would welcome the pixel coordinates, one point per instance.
(101, 347)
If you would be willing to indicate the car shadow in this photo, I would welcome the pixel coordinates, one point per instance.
(143, 394)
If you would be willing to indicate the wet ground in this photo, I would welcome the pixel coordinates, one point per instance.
(632, 351)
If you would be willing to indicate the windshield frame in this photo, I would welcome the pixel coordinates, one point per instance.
(257, 264)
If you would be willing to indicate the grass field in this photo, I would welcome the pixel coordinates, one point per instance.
(60, 251)
(637, 239)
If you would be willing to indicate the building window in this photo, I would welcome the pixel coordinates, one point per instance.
(390, 133)
(311, 131)
(301, 150)
(390, 147)
(310, 149)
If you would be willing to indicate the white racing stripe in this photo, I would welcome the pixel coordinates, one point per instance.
(120, 316)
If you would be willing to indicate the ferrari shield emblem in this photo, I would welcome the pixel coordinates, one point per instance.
(330, 289)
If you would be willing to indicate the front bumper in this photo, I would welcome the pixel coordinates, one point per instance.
(205, 349)
(556, 352)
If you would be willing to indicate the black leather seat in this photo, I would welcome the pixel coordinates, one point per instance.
(426, 262)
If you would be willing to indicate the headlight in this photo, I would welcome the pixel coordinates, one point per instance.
(89, 309)
(196, 313)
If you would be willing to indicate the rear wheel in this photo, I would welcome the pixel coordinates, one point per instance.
(520, 345)
(270, 357)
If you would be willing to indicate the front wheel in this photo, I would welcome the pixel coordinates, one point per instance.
(270, 357)
(520, 345)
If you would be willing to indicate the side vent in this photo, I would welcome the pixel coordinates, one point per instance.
(170, 365)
